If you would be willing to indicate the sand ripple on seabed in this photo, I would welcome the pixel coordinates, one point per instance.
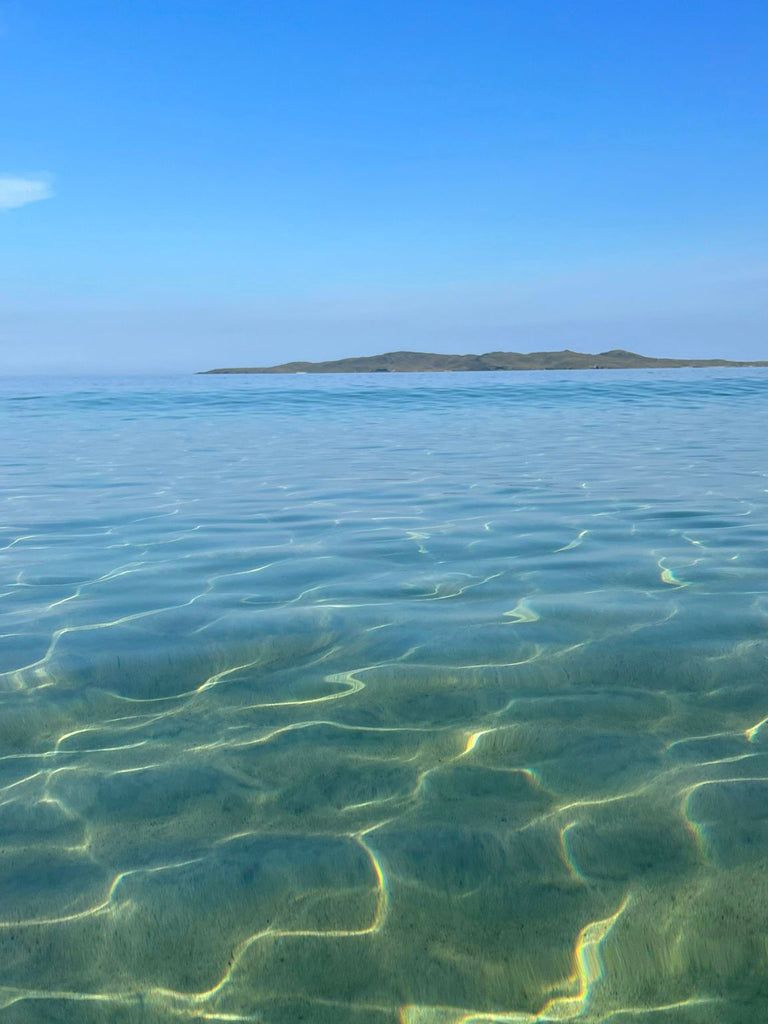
(443, 795)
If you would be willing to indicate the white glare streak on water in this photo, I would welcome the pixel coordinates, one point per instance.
(418, 698)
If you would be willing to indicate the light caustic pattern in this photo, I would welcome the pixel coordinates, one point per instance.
(429, 702)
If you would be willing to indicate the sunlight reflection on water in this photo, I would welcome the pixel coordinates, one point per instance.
(432, 699)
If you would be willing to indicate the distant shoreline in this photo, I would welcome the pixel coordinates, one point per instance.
(428, 362)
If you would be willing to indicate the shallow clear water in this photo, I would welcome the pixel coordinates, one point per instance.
(418, 698)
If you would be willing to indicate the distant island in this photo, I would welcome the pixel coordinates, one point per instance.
(429, 362)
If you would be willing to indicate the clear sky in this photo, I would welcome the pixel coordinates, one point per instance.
(196, 183)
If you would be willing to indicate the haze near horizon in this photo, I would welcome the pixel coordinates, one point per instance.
(185, 186)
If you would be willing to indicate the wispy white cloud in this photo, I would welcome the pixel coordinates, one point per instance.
(18, 191)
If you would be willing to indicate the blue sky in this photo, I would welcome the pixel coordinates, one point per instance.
(241, 182)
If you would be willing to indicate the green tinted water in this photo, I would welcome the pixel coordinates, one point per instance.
(433, 699)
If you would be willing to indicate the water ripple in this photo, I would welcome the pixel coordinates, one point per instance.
(432, 700)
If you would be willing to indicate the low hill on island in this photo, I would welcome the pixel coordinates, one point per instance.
(421, 362)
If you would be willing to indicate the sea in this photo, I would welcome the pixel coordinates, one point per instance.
(385, 698)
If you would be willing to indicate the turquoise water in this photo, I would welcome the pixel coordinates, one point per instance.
(413, 698)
